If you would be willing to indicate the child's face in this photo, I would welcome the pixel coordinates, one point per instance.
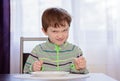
(58, 35)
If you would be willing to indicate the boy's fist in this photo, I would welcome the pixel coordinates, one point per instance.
(37, 65)
(80, 63)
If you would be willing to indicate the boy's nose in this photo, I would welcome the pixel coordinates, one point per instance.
(60, 35)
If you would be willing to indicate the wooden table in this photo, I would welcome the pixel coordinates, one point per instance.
(93, 77)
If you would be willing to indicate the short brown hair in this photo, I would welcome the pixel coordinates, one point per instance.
(55, 17)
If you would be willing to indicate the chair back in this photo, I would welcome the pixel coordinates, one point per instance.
(24, 46)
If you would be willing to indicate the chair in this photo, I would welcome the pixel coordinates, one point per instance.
(24, 55)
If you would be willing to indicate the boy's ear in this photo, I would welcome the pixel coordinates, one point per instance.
(44, 31)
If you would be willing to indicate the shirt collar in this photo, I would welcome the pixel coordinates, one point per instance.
(52, 45)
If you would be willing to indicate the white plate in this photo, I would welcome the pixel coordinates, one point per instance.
(49, 74)
(64, 78)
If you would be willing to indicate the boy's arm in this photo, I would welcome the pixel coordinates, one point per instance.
(29, 64)
(30, 60)
(75, 64)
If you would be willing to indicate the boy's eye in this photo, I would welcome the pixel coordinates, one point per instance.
(54, 31)
(65, 30)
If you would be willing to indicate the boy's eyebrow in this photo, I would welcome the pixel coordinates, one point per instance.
(66, 28)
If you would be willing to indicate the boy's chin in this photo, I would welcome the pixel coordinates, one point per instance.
(59, 44)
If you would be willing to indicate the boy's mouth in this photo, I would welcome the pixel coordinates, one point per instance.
(60, 39)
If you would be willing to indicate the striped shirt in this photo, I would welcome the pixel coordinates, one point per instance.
(55, 58)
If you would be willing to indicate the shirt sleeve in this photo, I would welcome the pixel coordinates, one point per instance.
(75, 71)
(30, 60)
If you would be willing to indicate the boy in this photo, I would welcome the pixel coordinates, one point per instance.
(56, 54)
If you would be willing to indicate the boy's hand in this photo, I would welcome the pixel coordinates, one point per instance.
(37, 65)
(80, 63)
